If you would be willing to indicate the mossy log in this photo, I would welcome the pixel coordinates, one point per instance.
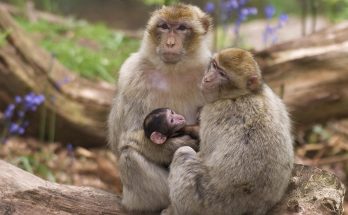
(310, 73)
(311, 191)
(81, 106)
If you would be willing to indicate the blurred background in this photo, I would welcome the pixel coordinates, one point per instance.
(59, 63)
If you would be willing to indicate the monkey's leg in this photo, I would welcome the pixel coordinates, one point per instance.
(187, 181)
(145, 186)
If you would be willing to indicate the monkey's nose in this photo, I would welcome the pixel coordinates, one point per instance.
(170, 43)
(181, 119)
(206, 79)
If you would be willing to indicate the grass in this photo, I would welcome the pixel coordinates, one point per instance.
(92, 50)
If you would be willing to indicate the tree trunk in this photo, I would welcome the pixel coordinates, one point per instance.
(311, 191)
(311, 73)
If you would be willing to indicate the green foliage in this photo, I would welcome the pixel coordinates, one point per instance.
(161, 2)
(3, 36)
(318, 134)
(284, 6)
(32, 164)
(91, 50)
(337, 10)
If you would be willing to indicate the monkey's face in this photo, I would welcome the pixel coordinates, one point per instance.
(172, 38)
(214, 81)
(175, 121)
(177, 31)
(162, 124)
(231, 73)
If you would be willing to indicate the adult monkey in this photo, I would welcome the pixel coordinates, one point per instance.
(246, 153)
(165, 72)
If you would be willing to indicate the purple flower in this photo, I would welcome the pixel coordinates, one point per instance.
(21, 131)
(283, 18)
(243, 2)
(32, 101)
(67, 80)
(231, 5)
(270, 33)
(14, 127)
(269, 11)
(209, 7)
(70, 150)
(9, 111)
(245, 12)
(18, 99)
(39, 99)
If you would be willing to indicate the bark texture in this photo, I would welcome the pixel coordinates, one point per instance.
(311, 191)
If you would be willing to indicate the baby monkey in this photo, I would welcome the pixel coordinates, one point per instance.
(163, 123)
(158, 126)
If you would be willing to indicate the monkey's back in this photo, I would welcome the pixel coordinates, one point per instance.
(246, 144)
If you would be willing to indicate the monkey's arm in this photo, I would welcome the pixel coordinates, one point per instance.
(163, 154)
(188, 181)
(192, 130)
(145, 185)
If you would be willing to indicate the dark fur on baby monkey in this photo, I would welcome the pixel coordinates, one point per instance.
(163, 123)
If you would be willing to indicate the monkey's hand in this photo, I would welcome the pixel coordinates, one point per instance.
(182, 154)
(185, 140)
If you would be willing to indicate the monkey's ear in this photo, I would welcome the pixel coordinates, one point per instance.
(254, 83)
(157, 137)
(207, 23)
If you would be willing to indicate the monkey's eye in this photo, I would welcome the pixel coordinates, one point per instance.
(172, 120)
(222, 73)
(214, 64)
(182, 28)
(172, 112)
(164, 26)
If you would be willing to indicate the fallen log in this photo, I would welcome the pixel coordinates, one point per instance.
(310, 73)
(311, 191)
(81, 106)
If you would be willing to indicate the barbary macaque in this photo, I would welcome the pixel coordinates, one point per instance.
(163, 123)
(165, 72)
(158, 126)
(246, 149)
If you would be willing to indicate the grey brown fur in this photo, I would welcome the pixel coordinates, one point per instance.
(245, 158)
(145, 83)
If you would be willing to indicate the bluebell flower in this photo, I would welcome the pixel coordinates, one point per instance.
(270, 33)
(70, 150)
(18, 99)
(209, 7)
(15, 114)
(283, 18)
(32, 101)
(231, 5)
(20, 131)
(9, 111)
(67, 80)
(14, 127)
(243, 2)
(269, 11)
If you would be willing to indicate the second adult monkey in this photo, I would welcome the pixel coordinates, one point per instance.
(246, 153)
(165, 72)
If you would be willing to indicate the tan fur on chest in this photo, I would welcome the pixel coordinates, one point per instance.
(170, 89)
